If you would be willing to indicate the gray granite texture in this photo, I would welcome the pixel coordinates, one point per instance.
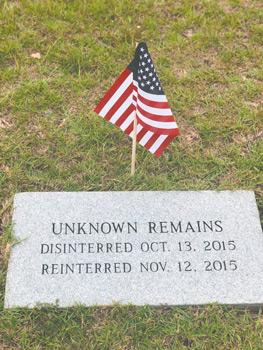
(176, 248)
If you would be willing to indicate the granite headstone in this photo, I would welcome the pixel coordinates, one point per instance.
(176, 248)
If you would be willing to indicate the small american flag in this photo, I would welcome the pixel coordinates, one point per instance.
(138, 93)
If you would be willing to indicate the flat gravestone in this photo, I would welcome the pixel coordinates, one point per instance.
(176, 248)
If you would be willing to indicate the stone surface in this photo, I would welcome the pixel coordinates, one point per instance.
(176, 248)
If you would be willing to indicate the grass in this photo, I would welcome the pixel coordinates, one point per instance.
(209, 57)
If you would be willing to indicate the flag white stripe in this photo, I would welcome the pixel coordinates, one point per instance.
(127, 121)
(157, 111)
(158, 143)
(155, 124)
(146, 138)
(121, 110)
(114, 98)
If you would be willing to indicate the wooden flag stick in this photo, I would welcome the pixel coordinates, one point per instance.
(134, 140)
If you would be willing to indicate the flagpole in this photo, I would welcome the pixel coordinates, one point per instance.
(134, 140)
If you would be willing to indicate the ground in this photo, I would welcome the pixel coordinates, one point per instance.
(57, 58)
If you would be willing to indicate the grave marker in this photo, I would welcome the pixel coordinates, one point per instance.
(176, 248)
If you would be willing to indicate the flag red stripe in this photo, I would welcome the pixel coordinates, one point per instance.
(158, 130)
(159, 118)
(124, 115)
(141, 134)
(153, 103)
(119, 102)
(129, 129)
(151, 141)
(112, 90)
(165, 144)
